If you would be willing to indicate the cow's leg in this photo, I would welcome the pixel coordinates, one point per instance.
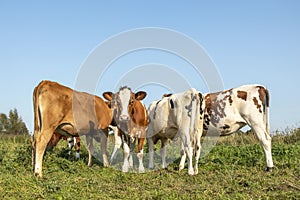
(265, 141)
(131, 147)
(130, 160)
(90, 148)
(140, 153)
(126, 151)
(183, 158)
(163, 152)
(71, 142)
(189, 153)
(188, 150)
(197, 150)
(77, 147)
(103, 139)
(118, 143)
(151, 152)
(40, 143)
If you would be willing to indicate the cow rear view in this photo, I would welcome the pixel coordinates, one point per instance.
(58, 108)
(177, 115)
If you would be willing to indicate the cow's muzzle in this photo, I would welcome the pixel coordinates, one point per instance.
(124, 118)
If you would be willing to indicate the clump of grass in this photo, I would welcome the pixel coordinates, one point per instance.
(289, 136)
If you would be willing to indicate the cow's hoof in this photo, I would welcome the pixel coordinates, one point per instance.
(181, 167)
(39, 175)
(141, 170)
(269, 169)
(125, 169)
(191, 172)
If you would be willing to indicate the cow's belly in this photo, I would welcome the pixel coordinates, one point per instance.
(169, 133)
(226, 126)
(164, 133)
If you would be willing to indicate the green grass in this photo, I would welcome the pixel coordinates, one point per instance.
(234, 169)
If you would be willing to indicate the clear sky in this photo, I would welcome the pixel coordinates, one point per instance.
(249, 42)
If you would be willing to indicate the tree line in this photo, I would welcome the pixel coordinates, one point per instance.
(12, 124)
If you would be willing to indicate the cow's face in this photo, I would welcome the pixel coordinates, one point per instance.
(123, 102)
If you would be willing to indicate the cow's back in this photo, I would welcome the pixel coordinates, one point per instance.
(74, 111)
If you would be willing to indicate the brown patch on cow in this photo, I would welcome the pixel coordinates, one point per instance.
(263, 95)
(230, 100)
(216, 106)
(54, 139)
(256, 103)
(167, 95)
(242, 95)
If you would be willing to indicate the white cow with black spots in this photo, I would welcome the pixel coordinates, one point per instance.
(177, 115)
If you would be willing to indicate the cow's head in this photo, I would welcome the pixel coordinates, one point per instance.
(123, 102)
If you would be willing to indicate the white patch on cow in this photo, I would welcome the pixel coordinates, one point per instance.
(71, 142)
(124, 95)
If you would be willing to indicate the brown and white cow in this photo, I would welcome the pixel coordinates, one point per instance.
(71, 113)
(131, 117)
(72, 142)
(228, 111)
(177, 115)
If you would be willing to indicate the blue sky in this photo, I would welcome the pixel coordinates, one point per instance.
(249, 42)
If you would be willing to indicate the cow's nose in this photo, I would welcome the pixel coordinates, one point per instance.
(124, 118)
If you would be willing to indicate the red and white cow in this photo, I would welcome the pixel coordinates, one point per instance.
(177, 115)
(228, 111)
(131, 117)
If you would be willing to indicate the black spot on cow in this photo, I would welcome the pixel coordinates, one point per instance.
(201, 102)
(154, 114)
(226, 126)
(172, 104)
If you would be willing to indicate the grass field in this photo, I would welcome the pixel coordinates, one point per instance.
(234, 169)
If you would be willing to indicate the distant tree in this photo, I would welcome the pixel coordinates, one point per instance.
(12, 124)
(4, 124)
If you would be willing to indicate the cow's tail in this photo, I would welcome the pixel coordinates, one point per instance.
(266, 110)
(36, 110)
(198, 126)
(36, 123)
(195, 115)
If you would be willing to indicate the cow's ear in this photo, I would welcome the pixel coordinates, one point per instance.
(140, 95)
(108, 95)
